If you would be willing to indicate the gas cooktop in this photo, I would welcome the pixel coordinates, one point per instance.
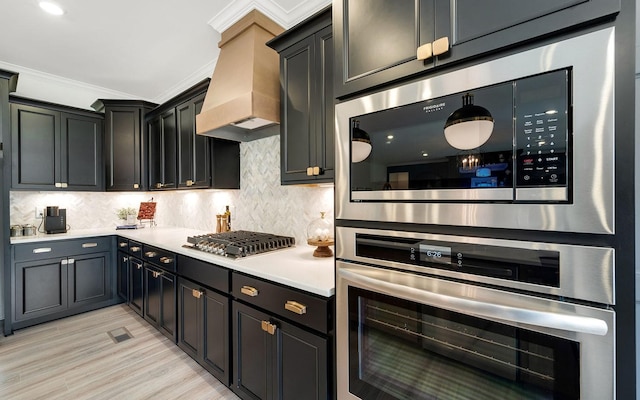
(237, 244)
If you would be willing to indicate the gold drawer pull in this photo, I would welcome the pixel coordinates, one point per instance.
(189, 182)
(295, 307)
(42, 250)
(166, 260)
(249, 291)
(269, 327)
(156, 274)
(196, 293)
(150, 254)
(441, 46)
(136, 185)
(139, 266)
(424, 52)
(135, 248)
(122, 244)
(87, 245)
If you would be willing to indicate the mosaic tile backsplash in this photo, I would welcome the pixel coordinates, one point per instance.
(262, 204)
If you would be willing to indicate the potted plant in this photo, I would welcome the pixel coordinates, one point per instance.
(128, 214)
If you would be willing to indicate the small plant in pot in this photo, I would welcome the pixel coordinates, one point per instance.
(128, 214)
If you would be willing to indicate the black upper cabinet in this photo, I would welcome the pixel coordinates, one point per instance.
(306, 107)
(162, 150)
(126, 143)
(193, 150)
(56, 148)
(377, 41)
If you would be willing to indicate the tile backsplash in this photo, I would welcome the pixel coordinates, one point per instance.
(262, 204)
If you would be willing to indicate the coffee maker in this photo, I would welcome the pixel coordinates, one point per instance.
(55, 220)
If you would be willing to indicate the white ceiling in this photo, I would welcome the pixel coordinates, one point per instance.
(142, 49)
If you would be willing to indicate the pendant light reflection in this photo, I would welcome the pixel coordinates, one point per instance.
(360, 143)
(468, 127)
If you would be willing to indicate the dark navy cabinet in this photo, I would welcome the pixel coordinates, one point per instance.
(281, 341)
(162, 151)
(306, 106)
(377, 41)
(55, 279)
(55, 148)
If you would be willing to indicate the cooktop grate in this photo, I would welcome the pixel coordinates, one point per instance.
(239, 243)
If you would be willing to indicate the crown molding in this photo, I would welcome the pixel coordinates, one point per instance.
(29, 73)
(285, 18)
(206, 71)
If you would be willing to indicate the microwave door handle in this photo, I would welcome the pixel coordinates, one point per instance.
(544, 319)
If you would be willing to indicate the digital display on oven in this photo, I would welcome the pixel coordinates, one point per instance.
(435, 254)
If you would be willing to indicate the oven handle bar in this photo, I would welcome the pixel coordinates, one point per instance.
(563, 322)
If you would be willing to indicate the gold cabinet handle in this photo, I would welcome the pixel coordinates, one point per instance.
(156, 274)
(309, 171)
(136, 186)
(135, 248)
(158, 185)
(166, 260)
(42, 250)
(122, 244)
(125, 259)
(249, 291)
(425, 51)
(196, 293)
(441, 46)
(269, 327)
(316, 171)
(295, 307)
(88, 245)
(150, 254)
(58, 184)
(64, 185)
(189, 182)
(139, 266)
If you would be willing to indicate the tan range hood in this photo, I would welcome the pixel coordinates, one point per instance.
(243, 99)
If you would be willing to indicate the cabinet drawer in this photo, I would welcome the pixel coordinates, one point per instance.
(64, 248)
(122, 244)
(161, 258)
(135, 248)
(204, 273)
(292, 304)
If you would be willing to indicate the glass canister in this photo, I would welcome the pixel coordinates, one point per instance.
(320, 234)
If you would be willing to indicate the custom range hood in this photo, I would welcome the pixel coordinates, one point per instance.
(243, 99)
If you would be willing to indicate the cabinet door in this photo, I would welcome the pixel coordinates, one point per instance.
(151, 295)
(136, 294)
(476, 28)
(215, 352)
(296, 70)
(190, 318)
(155, 153)
(124, 149)
(253, 354)
(376, 41)
(40, 288)
(123, 276)
(81, 153)
(167, 314)
(323, 104)
(35, 136)
(193, 149)
(301, 364)
(89, 278)
(169, 144)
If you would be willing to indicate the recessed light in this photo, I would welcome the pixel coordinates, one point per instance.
(389, 137)
(51, 8)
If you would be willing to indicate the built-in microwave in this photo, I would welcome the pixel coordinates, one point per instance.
(545, 162)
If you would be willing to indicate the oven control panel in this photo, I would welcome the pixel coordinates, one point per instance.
(540, 267)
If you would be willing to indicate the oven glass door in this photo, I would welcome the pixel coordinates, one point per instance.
(399, 349)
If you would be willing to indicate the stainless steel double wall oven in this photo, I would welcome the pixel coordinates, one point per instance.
(443, 311)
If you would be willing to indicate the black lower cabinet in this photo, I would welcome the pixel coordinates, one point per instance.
(160, 300)
(276, 360)
(89, 279)
(203, 327)
(136, 288)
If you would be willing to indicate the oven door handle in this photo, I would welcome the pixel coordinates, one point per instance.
(570, 323)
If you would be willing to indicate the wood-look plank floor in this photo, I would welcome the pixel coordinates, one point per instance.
(75, 358)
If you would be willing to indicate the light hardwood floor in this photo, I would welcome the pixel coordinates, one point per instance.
(75, 358)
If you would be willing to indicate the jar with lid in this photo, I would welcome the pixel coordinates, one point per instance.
(320, 234)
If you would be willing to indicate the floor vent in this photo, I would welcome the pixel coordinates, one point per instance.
(119, 335)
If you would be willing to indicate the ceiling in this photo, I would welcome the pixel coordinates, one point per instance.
(142, 49)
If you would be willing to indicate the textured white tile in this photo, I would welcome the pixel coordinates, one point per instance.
(261, 204)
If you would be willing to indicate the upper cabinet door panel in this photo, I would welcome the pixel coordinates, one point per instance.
(35, 134)
(82, 149)
(475, 28)
(377, 41)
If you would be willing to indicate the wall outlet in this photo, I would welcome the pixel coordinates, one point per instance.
(39, 213)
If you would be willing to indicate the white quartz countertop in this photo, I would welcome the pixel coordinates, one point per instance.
(295, 267)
